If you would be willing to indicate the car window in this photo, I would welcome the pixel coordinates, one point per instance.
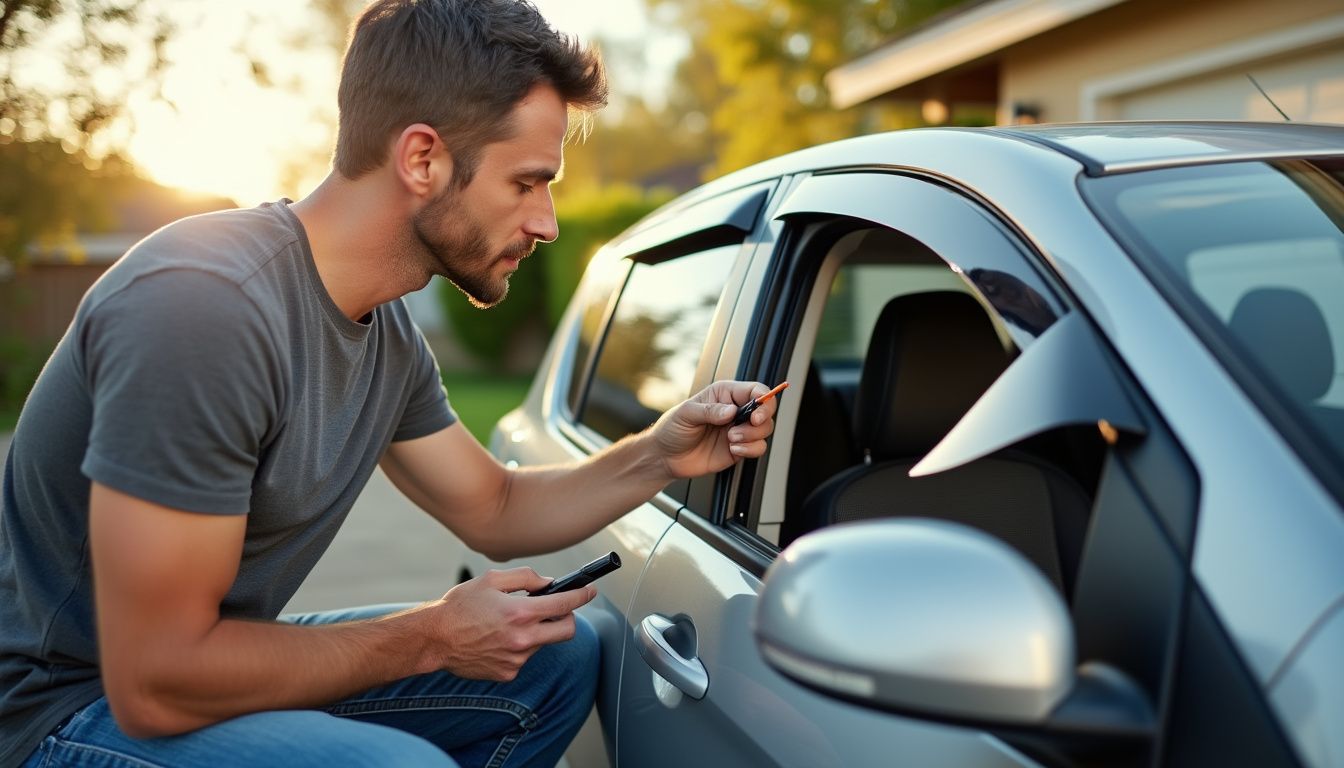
(1257, 249)
(1227, 276)
(863, 275)
(654, 341)
(888, 344)
(595, 295)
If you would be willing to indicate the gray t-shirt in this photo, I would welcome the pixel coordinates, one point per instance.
(209, 371)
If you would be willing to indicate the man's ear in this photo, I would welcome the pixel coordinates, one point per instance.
(421, 161)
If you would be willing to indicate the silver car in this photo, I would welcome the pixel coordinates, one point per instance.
(1058, 479)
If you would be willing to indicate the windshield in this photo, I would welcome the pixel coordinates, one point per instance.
(1253, 255)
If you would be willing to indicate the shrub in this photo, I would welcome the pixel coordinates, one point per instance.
(21, 361)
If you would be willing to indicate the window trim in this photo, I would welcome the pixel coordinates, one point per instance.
(724, 219)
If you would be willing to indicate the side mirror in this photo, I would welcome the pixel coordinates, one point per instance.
(938, 620)
(918, 615)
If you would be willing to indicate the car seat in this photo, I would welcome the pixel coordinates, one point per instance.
(1285, 331)
(930, 358)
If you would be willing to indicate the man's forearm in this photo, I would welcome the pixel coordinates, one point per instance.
(240, 667)
(548, 508)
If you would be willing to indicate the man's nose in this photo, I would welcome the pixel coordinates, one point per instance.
(541, 223)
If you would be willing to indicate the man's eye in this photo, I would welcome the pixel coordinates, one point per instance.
(524, 188)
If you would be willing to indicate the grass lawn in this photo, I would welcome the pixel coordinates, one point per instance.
(480, 399)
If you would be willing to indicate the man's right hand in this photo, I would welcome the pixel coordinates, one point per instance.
(489, 626)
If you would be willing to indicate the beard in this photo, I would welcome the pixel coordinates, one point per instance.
(460, 251)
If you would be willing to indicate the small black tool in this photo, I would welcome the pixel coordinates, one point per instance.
(583, 576)
(744, 412)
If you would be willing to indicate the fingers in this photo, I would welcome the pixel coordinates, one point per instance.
(715, 413)
(758, 425)
(556, 630)
(747, 447)
(562, 603)
(538, 607)
(515, 580)
(735, 392)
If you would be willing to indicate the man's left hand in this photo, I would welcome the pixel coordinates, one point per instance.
(697, 437)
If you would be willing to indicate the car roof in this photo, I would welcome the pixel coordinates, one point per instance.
(1099, 148)
(1106, 148)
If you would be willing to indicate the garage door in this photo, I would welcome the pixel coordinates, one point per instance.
(1308, 87)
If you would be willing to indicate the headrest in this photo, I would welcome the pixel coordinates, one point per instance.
(1287, 334)
(931, 357)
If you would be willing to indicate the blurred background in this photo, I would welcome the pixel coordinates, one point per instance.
(119, 116)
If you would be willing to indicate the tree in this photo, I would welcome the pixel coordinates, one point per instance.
(66, 69)
(756, 69)
(68, 66)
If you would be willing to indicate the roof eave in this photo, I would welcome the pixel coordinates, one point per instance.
(963, 37)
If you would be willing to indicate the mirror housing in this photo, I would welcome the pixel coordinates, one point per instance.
(918, 616)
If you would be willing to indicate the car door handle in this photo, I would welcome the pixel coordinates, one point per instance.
(658, 640)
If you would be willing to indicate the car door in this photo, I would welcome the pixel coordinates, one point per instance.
(699, 690)
(642, 335)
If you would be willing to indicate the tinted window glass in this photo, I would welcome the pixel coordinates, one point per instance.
(599, 285)
(657, 333)
(1259, 248)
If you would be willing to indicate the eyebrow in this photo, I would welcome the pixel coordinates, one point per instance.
(547, 175)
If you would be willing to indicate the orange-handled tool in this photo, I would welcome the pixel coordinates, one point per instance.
(744, 412)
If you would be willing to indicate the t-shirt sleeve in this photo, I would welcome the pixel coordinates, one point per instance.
(186, 382)
(427, 410)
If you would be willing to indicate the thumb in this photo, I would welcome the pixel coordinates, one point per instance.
(516, 579)
(713, 413)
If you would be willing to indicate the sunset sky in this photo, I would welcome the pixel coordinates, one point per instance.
(226, 134)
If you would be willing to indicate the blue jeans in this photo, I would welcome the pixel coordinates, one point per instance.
(427, 720)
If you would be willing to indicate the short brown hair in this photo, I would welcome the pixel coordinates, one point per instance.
(457, 65)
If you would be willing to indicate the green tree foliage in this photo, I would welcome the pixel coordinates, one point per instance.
(66, 71)
(67, 66)
(757, 67)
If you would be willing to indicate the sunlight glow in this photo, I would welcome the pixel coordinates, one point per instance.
(224, 133)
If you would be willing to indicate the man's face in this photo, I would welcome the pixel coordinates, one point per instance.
(476, 236)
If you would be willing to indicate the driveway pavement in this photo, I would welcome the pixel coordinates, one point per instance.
(387, 551)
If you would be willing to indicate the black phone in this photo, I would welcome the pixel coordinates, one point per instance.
(583, 576)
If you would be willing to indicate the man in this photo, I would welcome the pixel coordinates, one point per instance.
(227, 388)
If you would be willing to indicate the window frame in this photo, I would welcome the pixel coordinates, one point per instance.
(762, 340)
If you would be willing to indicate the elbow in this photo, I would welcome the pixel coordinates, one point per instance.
(140, 717)
(497, 550)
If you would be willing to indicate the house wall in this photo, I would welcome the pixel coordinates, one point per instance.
(1083, 70)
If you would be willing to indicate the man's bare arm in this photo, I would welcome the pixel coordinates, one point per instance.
(171, 664)
(505, 513)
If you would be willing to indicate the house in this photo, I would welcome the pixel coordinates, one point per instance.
(1072, 60)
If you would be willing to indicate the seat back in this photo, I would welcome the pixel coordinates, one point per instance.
(1286, 333)
(930, 358)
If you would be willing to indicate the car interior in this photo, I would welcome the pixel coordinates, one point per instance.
(892, 348)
